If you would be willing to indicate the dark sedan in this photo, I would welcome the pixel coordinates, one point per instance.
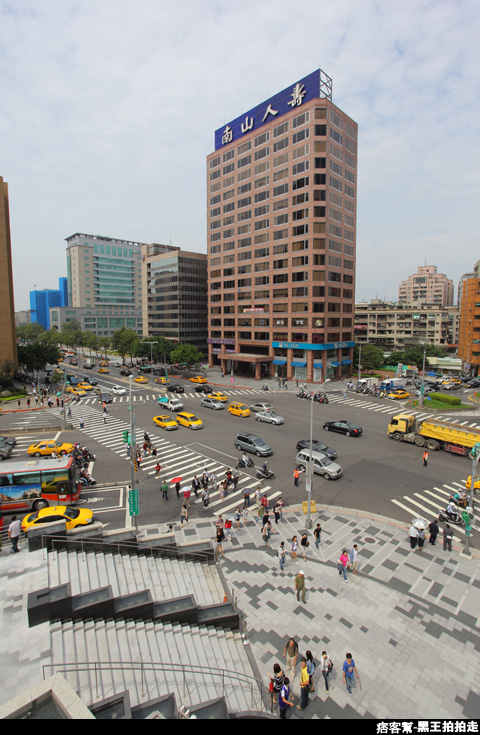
(203, 389)
(343, 427)
(317, 447)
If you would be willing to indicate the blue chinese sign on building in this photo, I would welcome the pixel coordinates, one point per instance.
(293, 97)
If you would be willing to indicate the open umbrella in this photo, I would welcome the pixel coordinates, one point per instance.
(419, 523)
(175, 480)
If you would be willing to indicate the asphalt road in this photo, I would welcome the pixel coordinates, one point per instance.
(376, 470)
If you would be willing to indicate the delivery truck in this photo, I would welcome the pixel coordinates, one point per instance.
(433, 434)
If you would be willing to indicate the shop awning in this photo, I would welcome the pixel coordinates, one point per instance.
(278, 361)
(298, 363)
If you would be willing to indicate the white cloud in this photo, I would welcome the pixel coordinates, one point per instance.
(109, 109)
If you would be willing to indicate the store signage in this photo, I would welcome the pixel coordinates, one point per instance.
(288, 99)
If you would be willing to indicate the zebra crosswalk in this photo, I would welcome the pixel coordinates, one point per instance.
(428, 503)
(176, 460)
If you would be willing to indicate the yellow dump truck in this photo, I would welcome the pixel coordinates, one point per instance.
(433, 434)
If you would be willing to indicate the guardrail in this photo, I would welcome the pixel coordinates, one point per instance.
(258, 691)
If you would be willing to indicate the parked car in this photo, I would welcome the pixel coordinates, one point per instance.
(212, 403)
(317, 446)
(269, 417)
(253, 443)
(322, 465)
(343, 427)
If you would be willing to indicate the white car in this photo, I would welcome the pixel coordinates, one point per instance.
(119, 390)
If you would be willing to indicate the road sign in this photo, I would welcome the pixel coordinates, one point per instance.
(133, 502)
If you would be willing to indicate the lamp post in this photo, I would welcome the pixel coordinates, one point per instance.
(308, 523)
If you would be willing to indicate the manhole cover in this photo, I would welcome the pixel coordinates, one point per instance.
(369, 540)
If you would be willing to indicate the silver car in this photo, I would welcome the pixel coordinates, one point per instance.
(212, 403)
(270, 417)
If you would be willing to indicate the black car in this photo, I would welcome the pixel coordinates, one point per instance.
(203, 389)
(317, 447)
(176, 388)
(105, 398)
(126, 372)
(343, 427)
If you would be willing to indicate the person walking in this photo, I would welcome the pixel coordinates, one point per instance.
(276, 683)
(300, 585)
(413, 534)
(349, 669)
(281, 555)
(425, 458)
(304, 543)
(434, 529)
(342, 565)
(354, 558)
(327, 667)
(293, 553)
(421, 538)
(284, 698)
(318, 535)
(290, 654)
(14, 534)
(447, 538)
(164, 490)
(304, 685)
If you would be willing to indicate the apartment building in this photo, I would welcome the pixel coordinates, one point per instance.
(392, 326)
(174, 299)
(426, 286)
(282, 192)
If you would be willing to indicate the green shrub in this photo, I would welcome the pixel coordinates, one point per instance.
(452, 400)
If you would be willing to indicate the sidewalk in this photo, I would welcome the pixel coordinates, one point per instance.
(410, 619)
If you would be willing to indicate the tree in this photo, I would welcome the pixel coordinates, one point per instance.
(186, 354)
(372, 357)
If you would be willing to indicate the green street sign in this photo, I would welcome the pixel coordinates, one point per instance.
(133, 502)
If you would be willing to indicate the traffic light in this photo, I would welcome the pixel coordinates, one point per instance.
(126, 437)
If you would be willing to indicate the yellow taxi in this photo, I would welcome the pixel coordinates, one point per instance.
(189, 420)
(198, 379)
(85, 386)
(103, 370)
(398, 394)
(165, 422)
(219, 397)
(141, 379)
(46, 448)
(239, 409)
(73, 516)
(76, 390)
(476, 483)
(163, 381)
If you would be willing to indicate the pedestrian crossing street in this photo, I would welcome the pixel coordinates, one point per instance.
(175, 460)
(427, 504)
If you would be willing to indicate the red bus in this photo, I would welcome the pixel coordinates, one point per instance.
(37, 483)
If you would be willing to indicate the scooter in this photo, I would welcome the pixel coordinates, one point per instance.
(456, 519)
(262, 475)
(241, 462)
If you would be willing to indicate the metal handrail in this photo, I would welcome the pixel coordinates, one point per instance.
(260, 701)
(173, 551)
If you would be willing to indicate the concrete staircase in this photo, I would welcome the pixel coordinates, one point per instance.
(127, 643)
(166, 578)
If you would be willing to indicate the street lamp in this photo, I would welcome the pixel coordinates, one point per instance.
(308, 523)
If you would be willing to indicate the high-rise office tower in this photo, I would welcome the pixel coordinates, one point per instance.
(282, 193)
(8, 342)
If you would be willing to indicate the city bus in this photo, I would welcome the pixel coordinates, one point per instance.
(38, 483)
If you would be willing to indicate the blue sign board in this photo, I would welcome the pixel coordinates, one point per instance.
(285, 101)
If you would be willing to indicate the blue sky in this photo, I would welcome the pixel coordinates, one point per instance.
(109, 110)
